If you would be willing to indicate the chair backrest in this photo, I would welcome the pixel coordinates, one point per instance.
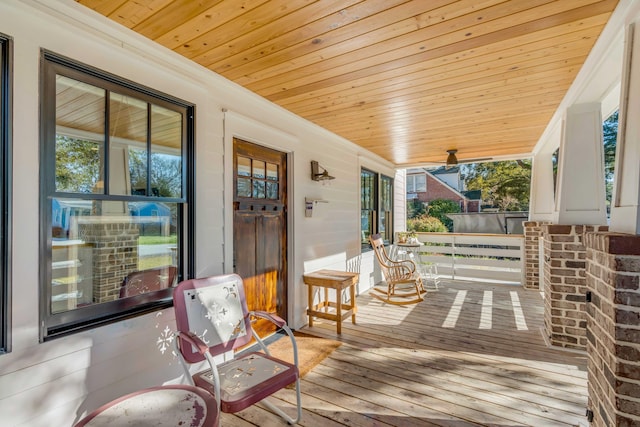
(154, 279)
(215, 309)
(381, 253)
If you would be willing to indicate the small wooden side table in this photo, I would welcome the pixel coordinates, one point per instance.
(339, 281)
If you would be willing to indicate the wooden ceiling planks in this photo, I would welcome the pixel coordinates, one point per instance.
(407, 79)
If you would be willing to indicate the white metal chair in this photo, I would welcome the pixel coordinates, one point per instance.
(212, 319)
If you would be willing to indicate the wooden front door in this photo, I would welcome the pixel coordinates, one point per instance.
(260, 228)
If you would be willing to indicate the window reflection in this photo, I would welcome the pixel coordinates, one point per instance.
(79, 136)
(99, 258)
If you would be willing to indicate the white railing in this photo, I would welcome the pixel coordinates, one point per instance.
(488, 257)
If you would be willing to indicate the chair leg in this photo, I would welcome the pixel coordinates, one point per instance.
(273, 408)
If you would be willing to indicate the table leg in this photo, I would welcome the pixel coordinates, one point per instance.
(310, 304)
(352, 295)
(338, 312)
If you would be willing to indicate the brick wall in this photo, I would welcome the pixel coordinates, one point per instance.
(115, 253)
(565, 284)
(437, 189)
(613, 328)
(532, 234)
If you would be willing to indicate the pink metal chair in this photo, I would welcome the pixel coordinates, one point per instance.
(212, 319)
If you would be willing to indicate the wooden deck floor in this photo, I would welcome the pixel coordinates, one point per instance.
(470, 354)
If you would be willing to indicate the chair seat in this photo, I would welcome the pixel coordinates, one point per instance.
(247, 380)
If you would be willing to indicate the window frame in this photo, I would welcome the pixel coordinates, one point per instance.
(375, 223)
(6, 110)
(54, 325)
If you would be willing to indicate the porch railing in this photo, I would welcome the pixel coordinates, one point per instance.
(487, 257)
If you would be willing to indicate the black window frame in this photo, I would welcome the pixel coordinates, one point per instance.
(6, 109)
(376, 193)
(67, 322)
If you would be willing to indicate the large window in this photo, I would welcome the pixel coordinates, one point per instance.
(116, 193)
(376, 206)
(5, 209)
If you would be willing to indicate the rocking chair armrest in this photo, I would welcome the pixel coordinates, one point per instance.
(405, 264)
(400, 270)
(194, 340)
(274, 318)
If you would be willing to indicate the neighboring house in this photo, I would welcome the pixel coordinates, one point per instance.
(442, 183)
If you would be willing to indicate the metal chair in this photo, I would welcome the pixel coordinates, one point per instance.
(404, 284)
(212, 319)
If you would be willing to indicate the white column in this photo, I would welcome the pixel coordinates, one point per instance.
(625, 212)
(541, 197)
(580, 197)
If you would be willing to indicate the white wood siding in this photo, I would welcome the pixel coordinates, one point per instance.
(56, 383)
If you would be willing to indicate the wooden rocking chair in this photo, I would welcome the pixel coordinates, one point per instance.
(404, 284)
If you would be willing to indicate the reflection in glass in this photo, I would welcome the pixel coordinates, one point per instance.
(244, 187)
(166, 152)
(258, 189)
(128, 144)
(79, 137)
(272, 172)
(385, 208)
(272, 190)
(258, 169)
(244, 166)
(83, 257)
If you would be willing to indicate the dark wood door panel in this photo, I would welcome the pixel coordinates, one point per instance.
(260, 224)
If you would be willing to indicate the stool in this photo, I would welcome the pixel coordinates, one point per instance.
(339, 281)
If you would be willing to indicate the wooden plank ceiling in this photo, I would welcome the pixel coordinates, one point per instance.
(406, 80)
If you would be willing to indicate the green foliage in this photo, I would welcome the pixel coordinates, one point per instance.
(504, 185)
(166, 173)
(610, 136)
(78, 164)
(425, 223)
(439, 209)
(415, 208)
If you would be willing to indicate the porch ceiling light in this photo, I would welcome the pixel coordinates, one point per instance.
(318, 173)
(451, 158)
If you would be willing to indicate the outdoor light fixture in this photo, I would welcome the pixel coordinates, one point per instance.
(451, 158)
(317, 175)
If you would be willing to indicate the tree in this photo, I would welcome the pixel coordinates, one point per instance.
(415, 208)
(503, 184)
(610, 136)
(78, 164)
(439, 209)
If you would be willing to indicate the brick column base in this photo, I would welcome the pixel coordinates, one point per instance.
(565, 284)
(532, 233)
(613, 328)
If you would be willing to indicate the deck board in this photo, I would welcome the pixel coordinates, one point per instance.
(398, 366)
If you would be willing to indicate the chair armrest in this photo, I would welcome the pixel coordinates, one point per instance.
(404, 264)
(281, 323)
(194, 340)
(273, 318)
(399, 272)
